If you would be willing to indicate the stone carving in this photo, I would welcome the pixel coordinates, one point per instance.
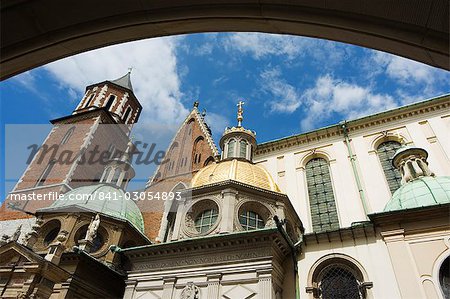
(190, 291)
(4, 240)
(16, 234)
(92, 229)
(270, 223)
(62, 237)
(31, 237)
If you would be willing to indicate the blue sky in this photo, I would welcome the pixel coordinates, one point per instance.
(290, 84)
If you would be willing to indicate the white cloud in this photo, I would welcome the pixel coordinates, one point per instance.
(261, 45)
(285, 98)
(406, 71)
(331, 96)
(27, 80)
(155, 75)
(216, 122)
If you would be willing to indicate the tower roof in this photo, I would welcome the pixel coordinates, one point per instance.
(124, 81)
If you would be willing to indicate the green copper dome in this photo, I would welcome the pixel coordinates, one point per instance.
(114, 203)
(421, 192)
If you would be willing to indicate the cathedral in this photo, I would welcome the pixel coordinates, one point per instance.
(359, 209)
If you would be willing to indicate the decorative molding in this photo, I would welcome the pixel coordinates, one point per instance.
(388, 117)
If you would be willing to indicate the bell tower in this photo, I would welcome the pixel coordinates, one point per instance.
(77, 148)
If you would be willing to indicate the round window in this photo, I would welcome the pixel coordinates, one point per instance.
(98, 241)
(48, 234)
(251, 220)
(51, 235)
(205, 220)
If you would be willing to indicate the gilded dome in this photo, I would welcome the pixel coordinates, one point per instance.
(105, 199)
(236, 170)
(421, 192)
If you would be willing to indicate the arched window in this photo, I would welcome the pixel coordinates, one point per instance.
(190, 125)
(251, 220)
(88, 102)
(45, 173)
(110, 102)
(198, 146)
(127, 114)
(67, 135)
(242, 149)
(321, 197)
(444, 278)
(208, 161)
(338, 278)
(231, 146)
(386, 152)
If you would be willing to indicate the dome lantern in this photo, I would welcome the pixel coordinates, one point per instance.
(420, 187)
(238, 142)
(412, 163)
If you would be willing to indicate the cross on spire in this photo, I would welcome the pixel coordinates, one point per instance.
(240, 113)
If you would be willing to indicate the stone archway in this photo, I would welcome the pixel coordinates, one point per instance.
(37, 32)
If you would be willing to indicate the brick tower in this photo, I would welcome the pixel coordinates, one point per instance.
(77, 148)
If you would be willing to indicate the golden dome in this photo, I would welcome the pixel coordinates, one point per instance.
(236, 170)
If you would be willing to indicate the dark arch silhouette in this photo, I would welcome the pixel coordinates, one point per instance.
(37, 32)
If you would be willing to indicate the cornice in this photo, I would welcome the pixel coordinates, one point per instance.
(211, 244)
(363, 230)
(388, 117)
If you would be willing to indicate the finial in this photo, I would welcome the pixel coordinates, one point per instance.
(240, 113)
(196, 103)
(130, 69)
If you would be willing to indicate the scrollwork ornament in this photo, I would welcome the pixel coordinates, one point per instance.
(190, 291)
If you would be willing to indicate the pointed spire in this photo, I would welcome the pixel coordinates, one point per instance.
(240, 113)
(125, 80)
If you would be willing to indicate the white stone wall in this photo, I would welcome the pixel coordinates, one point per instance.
(8, 227)
(372, 255)
(286, 165)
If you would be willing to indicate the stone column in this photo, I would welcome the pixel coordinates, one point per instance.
(229, 202)
(408, 279)
(168, 288)
(213, 286)
(265, 284)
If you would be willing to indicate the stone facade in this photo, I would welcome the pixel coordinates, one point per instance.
(304, 216)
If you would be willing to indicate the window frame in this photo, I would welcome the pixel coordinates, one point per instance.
(325, 187)
(386, 165)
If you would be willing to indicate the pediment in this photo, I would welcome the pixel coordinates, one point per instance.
(12, 252)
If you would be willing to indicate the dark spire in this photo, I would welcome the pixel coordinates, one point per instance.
(124, 81)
